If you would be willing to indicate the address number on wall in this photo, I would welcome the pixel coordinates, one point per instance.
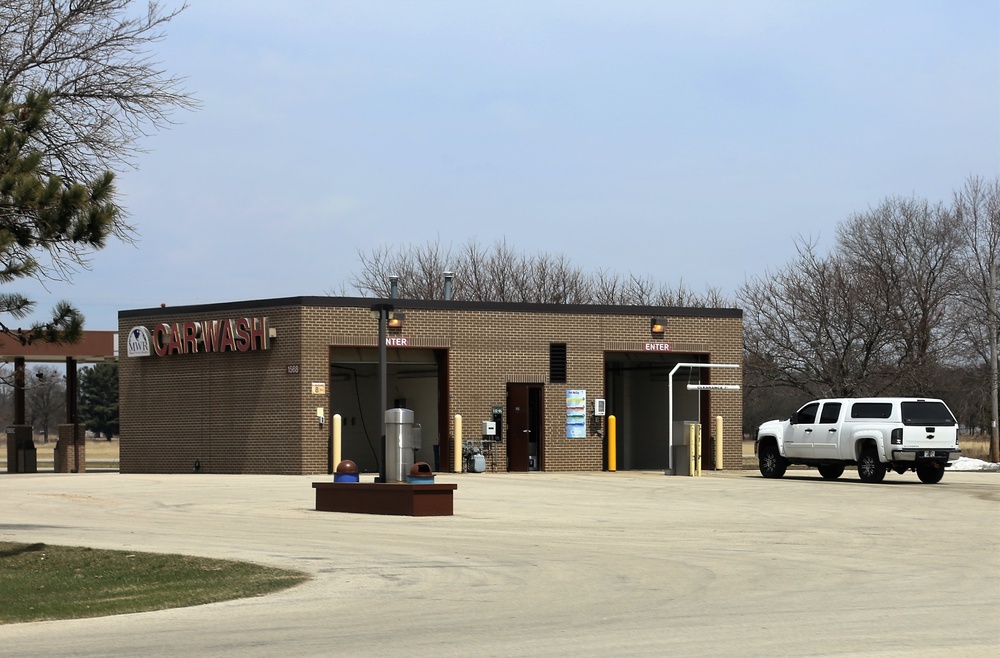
(293, 370)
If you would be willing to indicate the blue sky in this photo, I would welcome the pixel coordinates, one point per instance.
(679, 140)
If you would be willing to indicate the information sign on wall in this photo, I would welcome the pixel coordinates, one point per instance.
(576, 413)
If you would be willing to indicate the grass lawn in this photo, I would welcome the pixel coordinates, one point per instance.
(40, 581)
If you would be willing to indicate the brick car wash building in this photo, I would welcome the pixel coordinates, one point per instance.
(251, 387)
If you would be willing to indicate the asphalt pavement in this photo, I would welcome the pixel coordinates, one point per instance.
(540, 564)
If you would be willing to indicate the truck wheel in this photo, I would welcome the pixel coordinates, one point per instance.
(870, 469)
(772, 464)
(930, 472)
(831, 471)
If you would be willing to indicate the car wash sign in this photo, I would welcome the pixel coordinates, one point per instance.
(229, 335)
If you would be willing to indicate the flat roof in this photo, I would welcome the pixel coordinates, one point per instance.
(430, 304)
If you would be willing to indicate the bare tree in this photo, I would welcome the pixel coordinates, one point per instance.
(6, 395)
(377, 267)
(904, 250)
(905, 304)
(976, 207)
(499, 273)
(812, 327)
(78, 88)
(45, 399)
(419, 271)
(872, 318)
(685, 297)
(93, 57)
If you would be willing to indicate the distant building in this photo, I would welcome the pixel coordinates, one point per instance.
(241, 387)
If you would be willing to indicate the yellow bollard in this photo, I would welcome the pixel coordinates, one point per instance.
(691, 435)
(457, 450)
(612, 444)
(337, 439)
(697, 450)
(718, 443)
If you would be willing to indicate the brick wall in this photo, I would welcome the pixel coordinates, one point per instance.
(254, 412)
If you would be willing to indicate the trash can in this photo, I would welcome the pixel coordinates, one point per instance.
(402, 438)
(420, 473)
(347, 471)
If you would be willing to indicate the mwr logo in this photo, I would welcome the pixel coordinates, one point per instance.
(139, 343)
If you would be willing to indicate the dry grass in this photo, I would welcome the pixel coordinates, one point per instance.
(102, 450)
(975, 446)
(101, 454)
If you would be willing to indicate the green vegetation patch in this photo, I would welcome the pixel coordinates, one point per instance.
(39, 581)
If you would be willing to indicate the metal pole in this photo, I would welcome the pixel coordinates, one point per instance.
(19, 407)
(72, 410)
(994, 317)
(383, 318)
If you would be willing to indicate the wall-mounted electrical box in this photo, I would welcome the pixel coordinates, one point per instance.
(489, 428)
(599, 407)
(497, 413)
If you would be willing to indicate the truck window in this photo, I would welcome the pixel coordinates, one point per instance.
(926, 413)
(871, 409)
(806, 414)
(831, 413)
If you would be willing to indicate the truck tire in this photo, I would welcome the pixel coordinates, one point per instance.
(831, 471)
(772, 464)
(870, 469)
(930, 472)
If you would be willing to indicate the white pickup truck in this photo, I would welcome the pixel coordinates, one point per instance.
(876, 434)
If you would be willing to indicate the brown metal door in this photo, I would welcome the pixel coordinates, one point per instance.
(523, 425)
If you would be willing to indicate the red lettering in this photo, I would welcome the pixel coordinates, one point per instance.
(175, 346)
(227, 339)
(210, 335)
(258, 334)
(234, 335)
(243, 334)
(190, 335)
(161, 339)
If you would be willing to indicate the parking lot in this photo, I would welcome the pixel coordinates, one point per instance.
(538, 564)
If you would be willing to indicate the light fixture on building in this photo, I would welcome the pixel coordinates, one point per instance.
(396, 320)
(657, 326)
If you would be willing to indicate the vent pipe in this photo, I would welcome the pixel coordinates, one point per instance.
(393, 287)
(448, 288)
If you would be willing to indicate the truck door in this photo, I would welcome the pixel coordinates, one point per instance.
(826, 433)
(798, 443)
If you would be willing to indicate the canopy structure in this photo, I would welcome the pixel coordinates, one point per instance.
(94, 347)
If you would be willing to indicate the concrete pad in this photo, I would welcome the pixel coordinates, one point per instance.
(537, 564)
